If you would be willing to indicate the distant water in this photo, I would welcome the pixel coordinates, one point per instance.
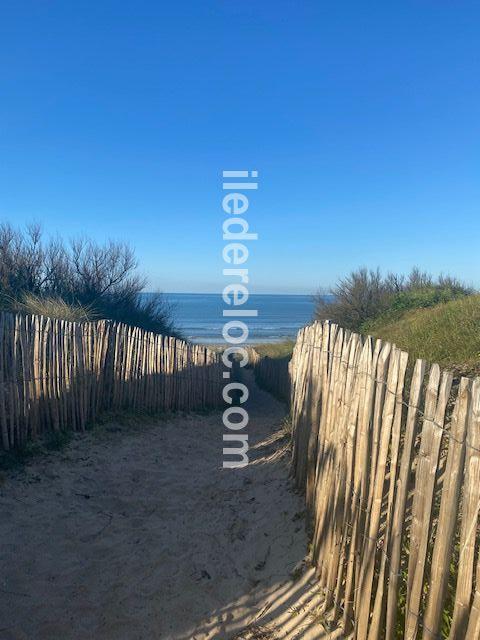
(199, 316)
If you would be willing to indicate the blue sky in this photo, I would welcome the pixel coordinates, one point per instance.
(362, 118)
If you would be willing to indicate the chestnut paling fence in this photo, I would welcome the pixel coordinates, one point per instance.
(272, 374)
(57, 375)
(388, 455)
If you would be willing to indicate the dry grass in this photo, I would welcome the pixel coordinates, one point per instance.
(255, 633)
(275, 349)
(54, 308)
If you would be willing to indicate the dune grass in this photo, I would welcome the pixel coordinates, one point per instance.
(448, 333)
(54, 308)
(275, 349)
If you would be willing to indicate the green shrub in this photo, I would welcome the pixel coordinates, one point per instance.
(422, 298)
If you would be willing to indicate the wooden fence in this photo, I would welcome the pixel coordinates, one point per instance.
(57, 375)
(272, 374)
(388, 456)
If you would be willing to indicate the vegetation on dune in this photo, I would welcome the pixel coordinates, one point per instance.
(436, 319)
(52, 308)
(448, 333)
(365, 296)
(76, 281)
(275, 349)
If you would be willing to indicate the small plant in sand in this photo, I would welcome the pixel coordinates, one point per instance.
(255, 632)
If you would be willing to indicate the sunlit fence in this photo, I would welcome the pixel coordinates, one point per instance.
(388, 455)
(57, 375)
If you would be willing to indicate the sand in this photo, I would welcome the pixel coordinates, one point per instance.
(135, 532)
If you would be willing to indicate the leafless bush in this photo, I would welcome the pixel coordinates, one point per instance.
(82, 274)
(365, 295)
(358, 297)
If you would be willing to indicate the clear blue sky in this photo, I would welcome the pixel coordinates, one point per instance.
(362, 118)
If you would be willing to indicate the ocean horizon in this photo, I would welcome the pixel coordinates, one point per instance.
(198, 316)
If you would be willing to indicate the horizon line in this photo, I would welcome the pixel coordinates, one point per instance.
(219, 293)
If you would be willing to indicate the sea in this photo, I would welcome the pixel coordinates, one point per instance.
(199, 316)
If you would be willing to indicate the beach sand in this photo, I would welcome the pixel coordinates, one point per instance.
(135, 532)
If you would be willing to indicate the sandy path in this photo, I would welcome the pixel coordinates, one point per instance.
(135, 532)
